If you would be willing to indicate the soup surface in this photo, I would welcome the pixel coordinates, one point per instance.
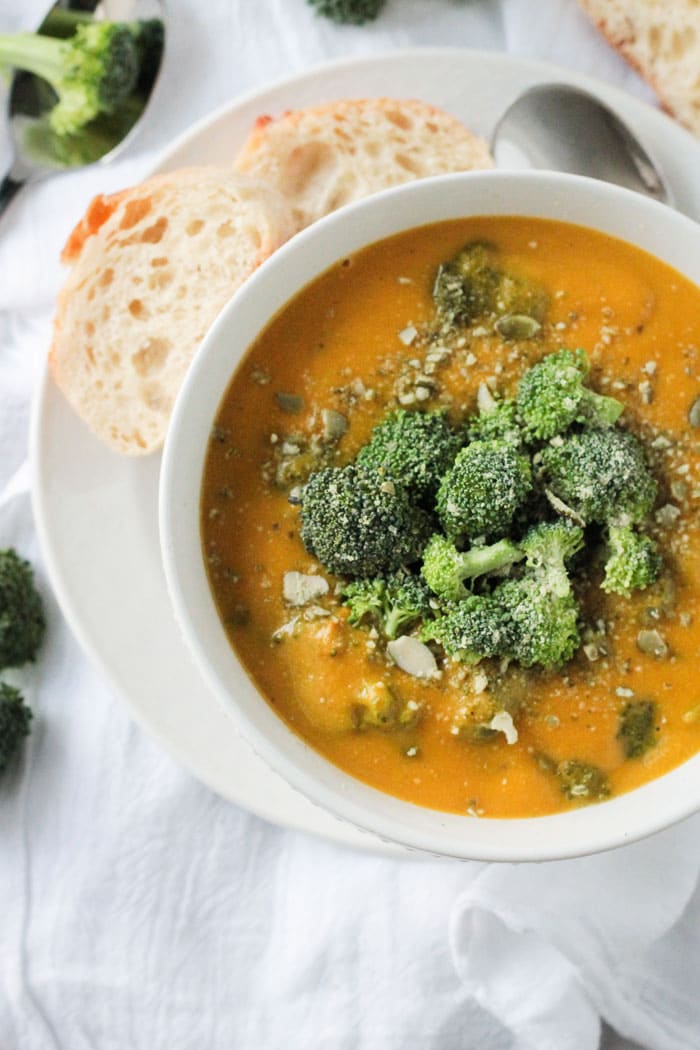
(360, 341)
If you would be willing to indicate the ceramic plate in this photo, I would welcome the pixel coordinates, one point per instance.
(96, 512)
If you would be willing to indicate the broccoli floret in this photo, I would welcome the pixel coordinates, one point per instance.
(496, 419)
(548, 546)
(633, 561)
(551, 396)
(466, 287)
(472, 630)
(15, 718)
(378, 707)
(22, 622)
(543, 624)
(91, 72)
(636, 730)
(445, 568)
(394, 603)
(601, 475)
(484, 488)
(520, 297)
(348, 12)
(149, 35)
(358, 523)
(582, 781)
(414, 447)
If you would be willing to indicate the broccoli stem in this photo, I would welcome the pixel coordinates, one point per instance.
(33, 53)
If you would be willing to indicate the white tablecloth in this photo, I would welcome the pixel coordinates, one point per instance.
(140, 911)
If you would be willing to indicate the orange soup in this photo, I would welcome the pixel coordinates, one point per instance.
(492, 737)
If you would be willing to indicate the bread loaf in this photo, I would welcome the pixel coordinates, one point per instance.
(662, 41)
(152, 267)
(327, 156)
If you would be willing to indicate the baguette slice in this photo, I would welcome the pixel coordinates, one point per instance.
(152, 267)
(327, 156)
(661, 41)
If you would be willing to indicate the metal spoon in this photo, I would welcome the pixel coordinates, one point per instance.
(34, 155)
(562, 128)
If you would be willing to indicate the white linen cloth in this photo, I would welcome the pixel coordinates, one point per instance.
(140, 911)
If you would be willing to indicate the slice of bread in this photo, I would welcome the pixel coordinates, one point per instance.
(327, 156)
(152, 267)
(661, 40)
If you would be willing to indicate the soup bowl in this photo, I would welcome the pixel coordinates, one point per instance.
(666, 234)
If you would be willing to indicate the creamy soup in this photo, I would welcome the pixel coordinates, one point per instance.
(362, 340)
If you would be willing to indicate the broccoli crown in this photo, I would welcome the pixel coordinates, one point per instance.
(358, 523)
(633, 561)
(413, 447)
(636, 731)
(548, 546)
(497, 420)
(91, 72)
(348, 12)
(15, 718)
(471, 285)
(466, 286)
(445, 568)
(473, 629)
(582, 781)
(544, 624)
(551, 396)
(394, 602)
(22, 622)
(485, 486)
(602, 475)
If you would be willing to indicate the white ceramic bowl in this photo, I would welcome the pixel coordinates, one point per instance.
(653, 227)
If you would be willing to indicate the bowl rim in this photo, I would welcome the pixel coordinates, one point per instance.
(625, 818)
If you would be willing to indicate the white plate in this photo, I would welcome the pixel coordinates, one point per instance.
(96, 512)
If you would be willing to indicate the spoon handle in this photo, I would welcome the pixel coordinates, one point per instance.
(8, 188)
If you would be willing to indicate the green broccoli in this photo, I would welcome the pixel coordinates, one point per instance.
(416, 448)
(394, 602)
(445, 568)
(633, 561)
(601, 475)
(581, 781)
(551, 396)
(22, 622)
(15, 719)
(348, 12)
(543, 624)
(496, 419)
(472, 630)
(466, 287)
(91, 72)
(484, 488)
(547, 547)
(358, 523)
(637, 728)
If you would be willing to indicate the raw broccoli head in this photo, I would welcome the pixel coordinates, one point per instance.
(22, 622)
(602, 475)
(472, 630)
(413, 447)
(91, 72)
(394, 602)
(484, 488)
(348, 12)
(543, 624)
(15, 719)
(445, 568)
(633, 561)
(358, 523)
(551, 396)
(548, 547)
